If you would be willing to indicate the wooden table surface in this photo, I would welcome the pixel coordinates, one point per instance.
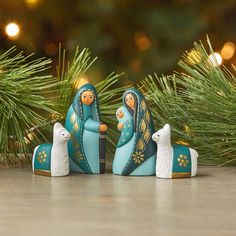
(116, 205)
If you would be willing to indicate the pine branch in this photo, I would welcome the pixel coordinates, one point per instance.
(109, 91)
(24, 104)
(31, 102)
(70, 77)
(199, 103)
(110, 98)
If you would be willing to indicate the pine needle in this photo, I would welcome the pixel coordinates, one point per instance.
(199, 103)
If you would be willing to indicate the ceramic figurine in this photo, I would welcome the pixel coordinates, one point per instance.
(52, 159)
(177, 161)
(135, 152)
(87, 145)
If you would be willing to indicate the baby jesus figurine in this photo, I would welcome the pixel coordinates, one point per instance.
(125, 125)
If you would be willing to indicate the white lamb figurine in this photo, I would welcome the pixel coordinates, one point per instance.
(52, 159)
(175, 161)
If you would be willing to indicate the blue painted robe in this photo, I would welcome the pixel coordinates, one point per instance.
(182, 164)
(136, 153)
(42, 159)
(83, 122)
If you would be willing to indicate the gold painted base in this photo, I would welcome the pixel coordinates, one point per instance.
(43, 172)
(181, 175)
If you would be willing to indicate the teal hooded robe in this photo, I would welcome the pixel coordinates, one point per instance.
(83, 122)
(136, 151)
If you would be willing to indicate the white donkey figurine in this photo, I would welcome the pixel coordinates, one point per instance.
(175, 161)
(52, 159)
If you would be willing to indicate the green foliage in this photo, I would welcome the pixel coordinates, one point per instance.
(109, 91)
(24, 106)
(199, 103)
(70, 75)
(30, 102)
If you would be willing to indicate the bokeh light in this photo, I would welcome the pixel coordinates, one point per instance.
(51, 49)
(216, 59)
(12, 30)
(228, 50)
(81, 81)
(151, 40)
(142, 41)
(31, 3)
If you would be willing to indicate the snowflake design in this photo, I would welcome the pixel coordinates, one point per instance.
(42, 157)
(138, 157)
(182, 159)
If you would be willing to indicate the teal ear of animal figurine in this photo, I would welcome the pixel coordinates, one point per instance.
(87, 145)
(135, 152)
(177, 161)
(52, 159)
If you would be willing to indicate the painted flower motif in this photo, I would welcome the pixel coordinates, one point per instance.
(75, 143)
(138, 157)
(76, 127)
(183, 160)
(42, 157)
(55, 117)
(79, 156)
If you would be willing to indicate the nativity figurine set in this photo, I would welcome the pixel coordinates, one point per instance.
(81, 146)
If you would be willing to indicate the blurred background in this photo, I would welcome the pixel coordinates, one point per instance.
(132, 36)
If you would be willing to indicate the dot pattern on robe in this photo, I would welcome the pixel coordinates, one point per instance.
(183, 160)
(42, 163)
(42, 157)
(126, 133)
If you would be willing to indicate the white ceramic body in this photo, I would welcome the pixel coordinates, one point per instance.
(165, 154)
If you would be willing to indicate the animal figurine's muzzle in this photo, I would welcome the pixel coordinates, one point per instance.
(155, 137)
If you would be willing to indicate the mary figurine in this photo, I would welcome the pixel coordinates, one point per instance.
(135, 152)
(87, 145)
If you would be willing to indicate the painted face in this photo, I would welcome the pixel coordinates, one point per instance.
(87, 97)
(119, 114)
(129, 100)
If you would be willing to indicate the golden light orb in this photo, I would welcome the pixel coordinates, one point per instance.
(12, 30)
(228, 50)
(80, 82)
(142, 41)
(31, 3)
